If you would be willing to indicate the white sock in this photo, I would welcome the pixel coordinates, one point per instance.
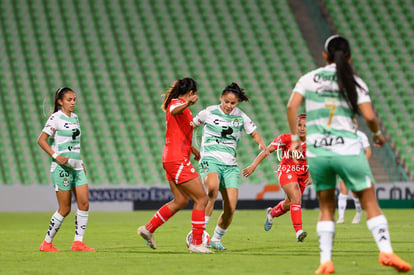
(218, 234)
(358, 207)
(81, 220)
(379, 228)
(342, 200)
(326, 233)
(206, 219)
(54, 226)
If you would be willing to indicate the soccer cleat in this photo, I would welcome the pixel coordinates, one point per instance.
(217, 245)
(391, 259)
(48, 247)
(357, 218)
(80, 246)
(340, 220)
(201, 248)
(147, 236)
(301, 235)
(326, 268)
(269, 219)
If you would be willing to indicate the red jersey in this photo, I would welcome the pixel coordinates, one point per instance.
(179, 133)
(287, 164)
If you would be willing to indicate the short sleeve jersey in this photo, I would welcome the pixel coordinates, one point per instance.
(179, 133)
(65, 134)
(222, 133)
(282, 145)
(330, 130)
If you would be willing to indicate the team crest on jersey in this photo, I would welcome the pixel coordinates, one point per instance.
(235, 123)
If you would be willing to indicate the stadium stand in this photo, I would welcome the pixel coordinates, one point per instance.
(381, 34)
(121, 55)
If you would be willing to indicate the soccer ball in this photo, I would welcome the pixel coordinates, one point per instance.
(206, 238)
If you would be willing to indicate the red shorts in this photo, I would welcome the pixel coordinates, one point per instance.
(285, 178)
(179, 172)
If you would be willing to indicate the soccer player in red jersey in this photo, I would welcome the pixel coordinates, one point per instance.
(293, 177)
(184, 180)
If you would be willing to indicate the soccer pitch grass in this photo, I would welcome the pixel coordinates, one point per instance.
(251, 250)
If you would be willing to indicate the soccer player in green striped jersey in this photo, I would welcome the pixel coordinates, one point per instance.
(223, 126)
(333, 95)
(67, 169)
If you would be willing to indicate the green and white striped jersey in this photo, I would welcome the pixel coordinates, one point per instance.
(221, 133)
(64, 133)
(330, 130)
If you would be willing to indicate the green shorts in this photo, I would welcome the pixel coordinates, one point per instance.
(228, 174)
(65, 178)
(353, 170)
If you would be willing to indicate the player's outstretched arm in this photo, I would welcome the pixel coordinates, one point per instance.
(260, 157)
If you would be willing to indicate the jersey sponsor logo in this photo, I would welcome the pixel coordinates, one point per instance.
(328, 141)
(75, 133)
(217, 121)
(224, 142)
(70, 148)
(326, 91)
(226, 131)
(321, 77)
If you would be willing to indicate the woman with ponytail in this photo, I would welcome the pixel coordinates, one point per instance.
(334, 95)
(184, 181)
(223, 125)
(67, 170)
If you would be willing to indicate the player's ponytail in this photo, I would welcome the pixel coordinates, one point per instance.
(338, 50)
(178, 88)
(235, 89)
(59, 95)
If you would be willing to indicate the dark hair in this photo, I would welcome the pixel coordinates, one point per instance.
(179, 87)
(338, 50)
(303, 115)
(59, 95)
(235, 89)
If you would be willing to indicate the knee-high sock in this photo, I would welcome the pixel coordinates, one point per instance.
(81, 220)
(342, 200)
(54, 226)
(326, 233)
(296, 216)
(358, 207)
(218, 234)
(198, 223)
(162, 215)
(379, 228)
(278, 210)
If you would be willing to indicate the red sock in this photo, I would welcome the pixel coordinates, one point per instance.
(278, 210)
(163, 214)
(198, 223)
(296, 215)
